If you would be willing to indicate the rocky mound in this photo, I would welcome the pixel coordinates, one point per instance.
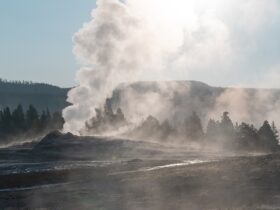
(68, 146)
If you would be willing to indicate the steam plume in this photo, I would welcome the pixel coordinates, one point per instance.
(155, 40)
(108, 46)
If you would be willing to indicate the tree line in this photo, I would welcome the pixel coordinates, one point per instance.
(19, 82)
(243, 136)
(28, 123)
(218, 133)
(23, 82)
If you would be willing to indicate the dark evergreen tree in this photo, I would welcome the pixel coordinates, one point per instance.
(43, 121)
(108, 110)
(32, 118)
(1, 122)
(7, 121)
(226, 131)
(19, 118)
(248, 138)
(267, 137)
(57, 121)
(226, 124)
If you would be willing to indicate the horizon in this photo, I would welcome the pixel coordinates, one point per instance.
(146, 81)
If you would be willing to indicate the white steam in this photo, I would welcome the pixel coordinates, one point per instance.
(135, 40)
(251, 106)
(111, 49)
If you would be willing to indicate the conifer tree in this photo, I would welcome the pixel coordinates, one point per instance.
(226, 130)
(7, 120)
(57, 121)
(19, 118)
(248, 137)
(267, 137)
(194, 130)
(32, 118)
(212, 129)
(226, 124)
(43, 121)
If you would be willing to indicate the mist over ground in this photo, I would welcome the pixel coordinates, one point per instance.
(71, 172)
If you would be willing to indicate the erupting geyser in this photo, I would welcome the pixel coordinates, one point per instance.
(135, 40)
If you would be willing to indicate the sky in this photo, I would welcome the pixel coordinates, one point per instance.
(36, 42)
(36, 39)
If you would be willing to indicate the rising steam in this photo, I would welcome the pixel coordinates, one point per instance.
(135, 40)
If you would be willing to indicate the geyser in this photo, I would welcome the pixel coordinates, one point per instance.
(124, 43)
(133, 40)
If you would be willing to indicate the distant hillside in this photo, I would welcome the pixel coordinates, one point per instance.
(178, 99)
(164, 100)
(42, 96)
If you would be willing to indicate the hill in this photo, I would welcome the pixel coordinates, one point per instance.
(42, 96)
(175, 100)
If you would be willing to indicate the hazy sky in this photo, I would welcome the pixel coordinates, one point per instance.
(36, 42)
(36, 39)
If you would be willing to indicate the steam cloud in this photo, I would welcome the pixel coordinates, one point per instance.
(135, 40)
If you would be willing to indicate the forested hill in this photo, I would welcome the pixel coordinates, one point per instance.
(42, 96)
(177, 99)
(180, 97)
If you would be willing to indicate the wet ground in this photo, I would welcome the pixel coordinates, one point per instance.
(187, 180)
